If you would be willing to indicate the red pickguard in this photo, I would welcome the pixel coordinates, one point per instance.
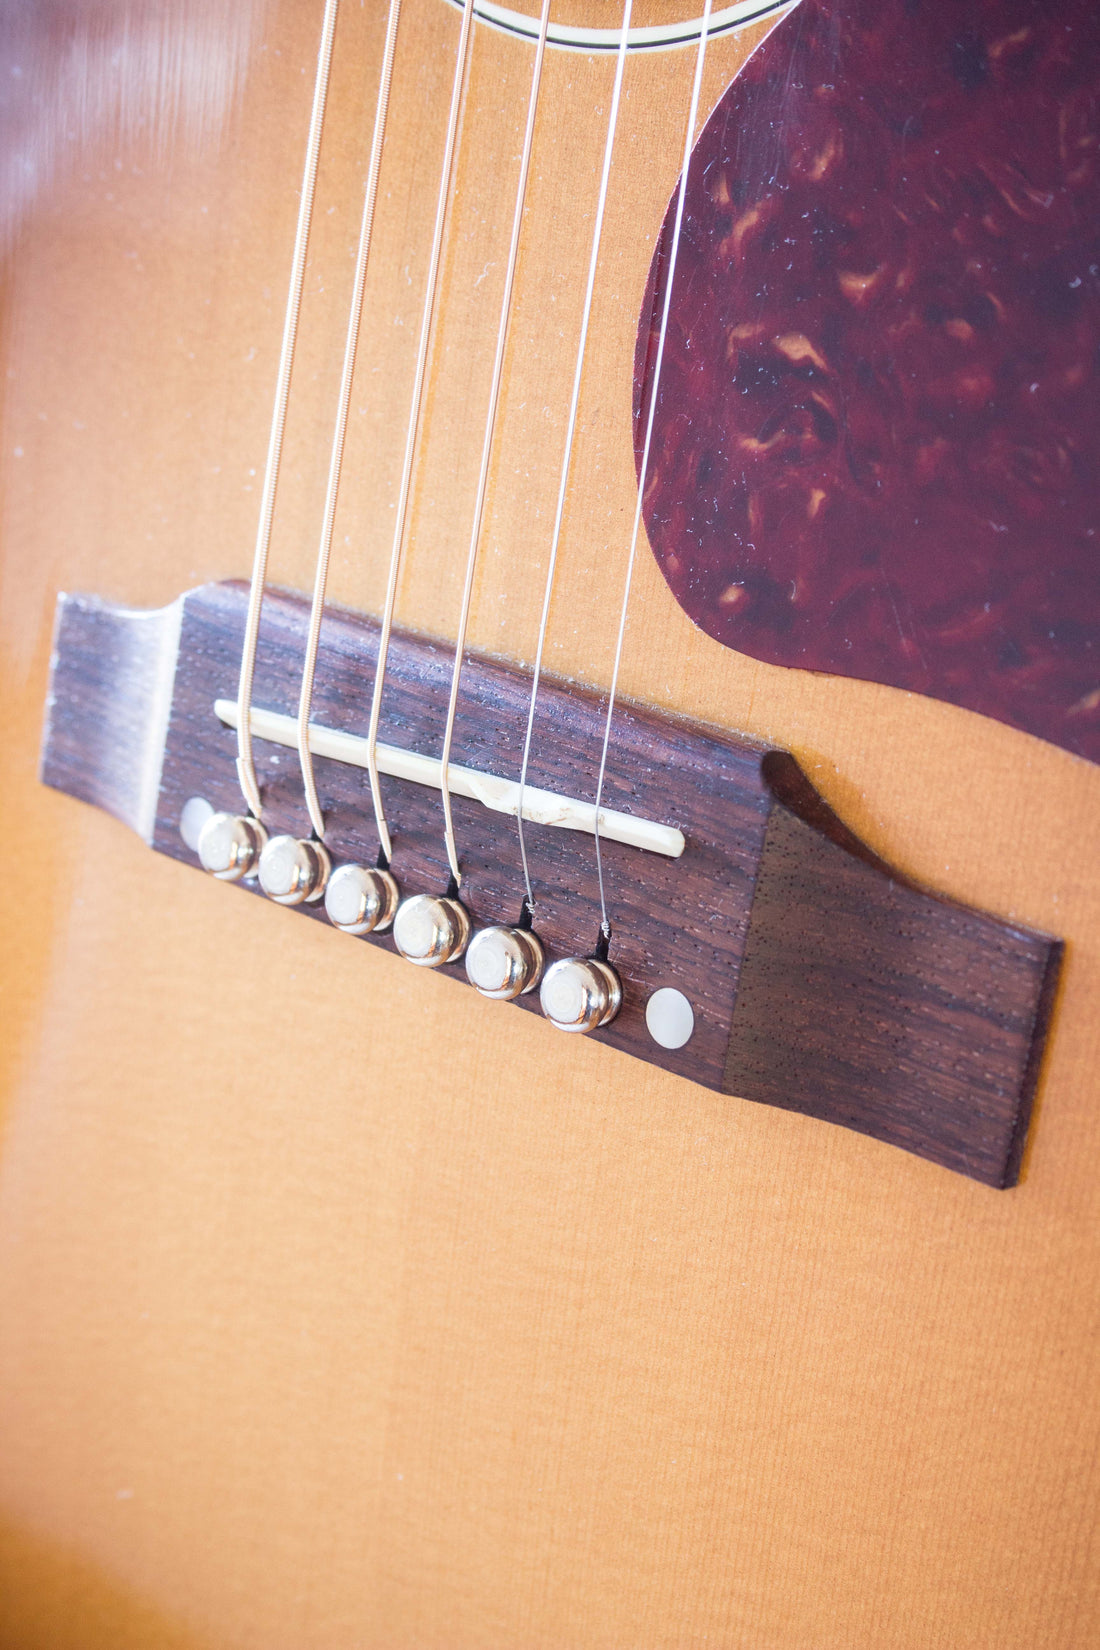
(878, 427)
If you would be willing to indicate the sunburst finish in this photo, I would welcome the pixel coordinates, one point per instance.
(334, 1310)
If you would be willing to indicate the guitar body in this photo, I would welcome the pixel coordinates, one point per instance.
(339, 1306)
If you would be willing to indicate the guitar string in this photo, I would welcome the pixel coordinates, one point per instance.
(643, 471)
(411, 439)
(487, 444)
(246, 767)
(336, 457)
(571, 425)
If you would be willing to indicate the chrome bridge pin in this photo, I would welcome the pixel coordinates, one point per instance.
(581, 994)
(359, 900)
(294, 870)
(504, 962)
(432, 929)
(230, 845)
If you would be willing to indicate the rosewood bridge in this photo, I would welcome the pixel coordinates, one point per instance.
(775, 958)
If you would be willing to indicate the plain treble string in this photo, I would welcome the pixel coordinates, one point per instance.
(324, 553)
(405, 488)
(643, 470)
(246, 767)
(571, 425)
(490, 429)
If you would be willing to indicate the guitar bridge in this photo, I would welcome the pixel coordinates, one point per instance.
(817, 978)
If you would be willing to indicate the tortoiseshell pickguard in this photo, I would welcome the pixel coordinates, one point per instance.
(878, 426)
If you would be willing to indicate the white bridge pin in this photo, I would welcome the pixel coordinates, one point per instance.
(504, 962)
(431, 930)
(580, 994)
(361, 901)
(229, 846)
(294, 870)
(193, 816)
(669, 1017)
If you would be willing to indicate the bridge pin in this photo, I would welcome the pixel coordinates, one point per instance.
(431, 930)
(294, 870)
(361, 901)
(580, 994)
(230, 845)
(504, 962)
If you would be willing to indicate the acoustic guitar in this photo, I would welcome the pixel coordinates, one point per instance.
(341, 1305)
